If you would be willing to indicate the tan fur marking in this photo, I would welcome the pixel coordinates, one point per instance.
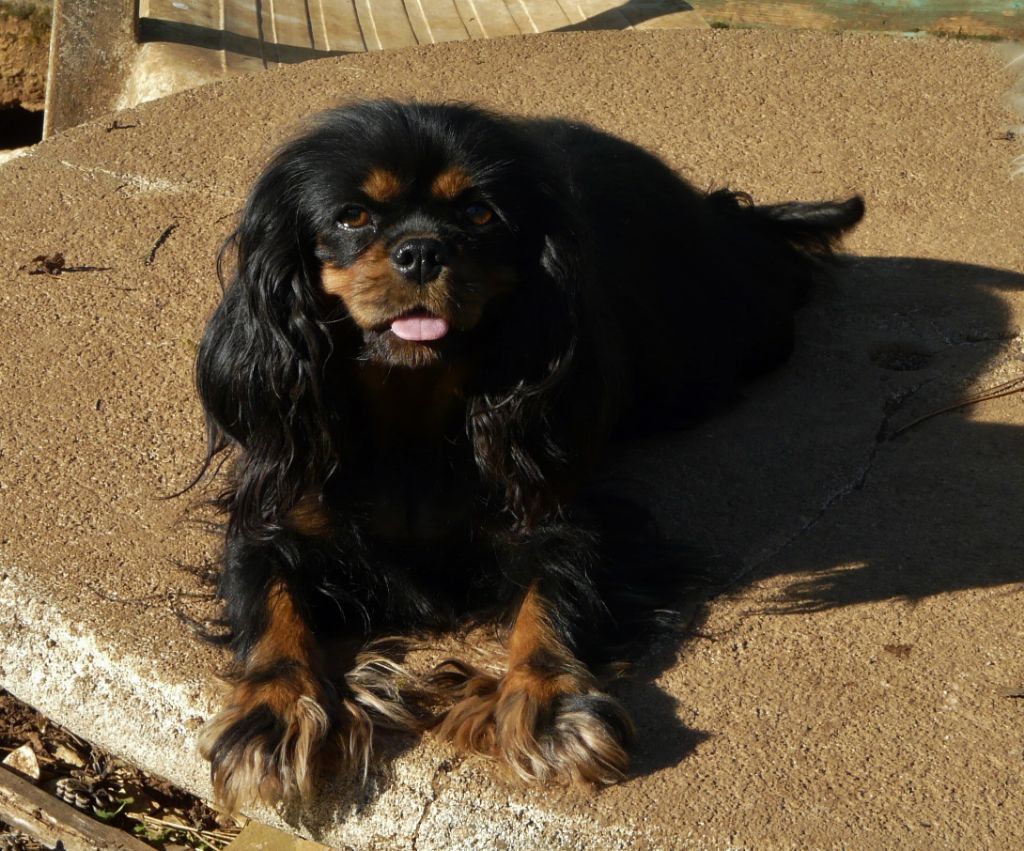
(523, 720)
(260, 767)
(287, 636)
(451, 183)
(383, 185)
(532, 631)
(317, 732)
(367, 286)
(371, 267)
(310, 518)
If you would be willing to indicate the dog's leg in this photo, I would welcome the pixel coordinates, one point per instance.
(284, 716)
(546, 719)
(276, 727)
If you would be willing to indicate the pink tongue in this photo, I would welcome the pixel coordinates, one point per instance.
(420, 327)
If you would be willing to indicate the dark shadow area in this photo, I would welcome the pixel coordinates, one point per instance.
(661, 739)
(20, 127)
(805, 478)
(930, 510)
(629, 14)
(935, 509)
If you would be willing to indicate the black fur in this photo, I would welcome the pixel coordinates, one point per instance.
(637, 303)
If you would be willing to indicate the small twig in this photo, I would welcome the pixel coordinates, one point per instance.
(1007, 388)
(206, 835)
(159, 242)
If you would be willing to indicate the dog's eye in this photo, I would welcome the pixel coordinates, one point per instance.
(478, 213)
(354, 217)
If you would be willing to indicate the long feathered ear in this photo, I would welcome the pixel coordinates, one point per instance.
(259, 366)
(529, 418)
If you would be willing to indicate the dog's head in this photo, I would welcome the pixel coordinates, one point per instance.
(411, 221)
(406, 235)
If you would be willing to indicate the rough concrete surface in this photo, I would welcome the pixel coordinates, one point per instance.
(846, 688)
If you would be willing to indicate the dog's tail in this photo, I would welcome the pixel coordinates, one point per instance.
(813, 228)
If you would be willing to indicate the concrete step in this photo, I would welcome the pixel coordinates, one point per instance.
(847, 691)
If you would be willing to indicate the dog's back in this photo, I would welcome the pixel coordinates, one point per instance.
(698, 291)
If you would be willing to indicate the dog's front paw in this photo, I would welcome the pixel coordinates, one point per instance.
(469, 724)
(564, 731)
(541, 727)
(272, 738)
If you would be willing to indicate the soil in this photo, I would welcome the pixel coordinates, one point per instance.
(24, 52)
(109, 789)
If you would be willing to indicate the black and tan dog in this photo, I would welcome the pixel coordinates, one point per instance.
(438, 318)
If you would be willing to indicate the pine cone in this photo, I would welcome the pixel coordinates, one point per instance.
(100, 786)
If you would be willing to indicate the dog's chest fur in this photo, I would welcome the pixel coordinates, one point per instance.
(416, 473)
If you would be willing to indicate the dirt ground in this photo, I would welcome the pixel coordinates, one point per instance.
(849, 685)
(106, 788)
(24, 50)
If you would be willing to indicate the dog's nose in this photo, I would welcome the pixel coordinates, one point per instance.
(420, 260)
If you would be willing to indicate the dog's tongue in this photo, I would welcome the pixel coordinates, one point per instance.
(420, 328)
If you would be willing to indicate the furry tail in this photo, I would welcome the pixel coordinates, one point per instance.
(814, 228)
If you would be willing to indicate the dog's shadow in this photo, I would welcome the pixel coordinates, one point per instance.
(926, 503)
(885, 341)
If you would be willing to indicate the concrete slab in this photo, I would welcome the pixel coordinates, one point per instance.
(847, 690)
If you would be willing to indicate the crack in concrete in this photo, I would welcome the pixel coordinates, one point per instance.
(891, 405)
(139, 182)
(445, 767)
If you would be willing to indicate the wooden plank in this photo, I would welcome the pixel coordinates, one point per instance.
(340, 25)
(691, 20)
(666, 15)
(240, 18)
(200, 14)
(291, 23)
(637, 14)
(600, 15)
(30, 810)
(592, 8)
(385, 24)
(94, 41)
(441, 19)
(538, 16)
(487, 18)
(572, 10)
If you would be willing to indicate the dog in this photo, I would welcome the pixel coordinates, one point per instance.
(437, 320)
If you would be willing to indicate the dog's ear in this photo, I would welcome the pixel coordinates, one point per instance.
(259, 366)
(529, 428)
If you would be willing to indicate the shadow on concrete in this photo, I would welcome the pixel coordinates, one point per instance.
(870, 514)
(934, 507)
(928, 510)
